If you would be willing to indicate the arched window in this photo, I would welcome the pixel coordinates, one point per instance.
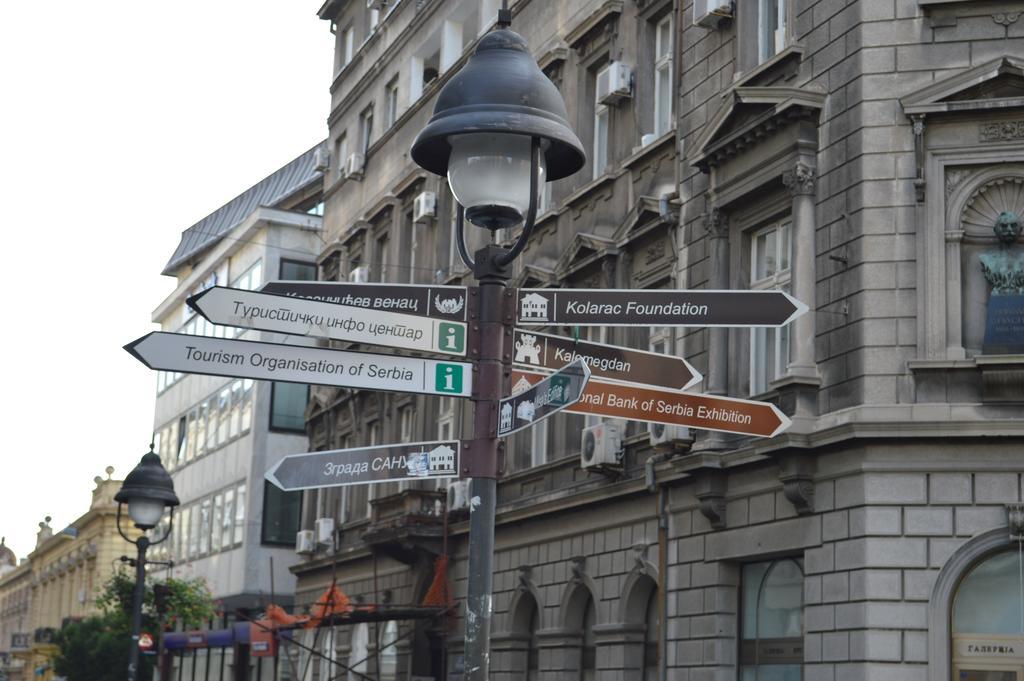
(357, 655)
(389, 651)
(532, 649)
(651, 636)
(327, 667)
(588, 652)
(772, 621)
(988, 620)
(524, 624)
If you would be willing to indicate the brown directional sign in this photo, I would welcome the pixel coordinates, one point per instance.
(412, 461)
(726, 414)
(610, 362)
(441, 302)
(655, 307)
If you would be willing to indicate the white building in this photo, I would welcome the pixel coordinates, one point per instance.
(217, 436)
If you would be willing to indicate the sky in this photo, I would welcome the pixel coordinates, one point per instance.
(122, 124)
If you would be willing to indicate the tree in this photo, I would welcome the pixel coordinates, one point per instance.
(96, 648)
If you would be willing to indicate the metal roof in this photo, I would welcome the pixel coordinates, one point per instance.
(269, 191)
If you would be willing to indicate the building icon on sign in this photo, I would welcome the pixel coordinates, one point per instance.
(506, 417)
(525, 410)
(533, 307)
(442, 460)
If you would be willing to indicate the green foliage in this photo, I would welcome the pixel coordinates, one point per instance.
(96, 648)
(188, 601)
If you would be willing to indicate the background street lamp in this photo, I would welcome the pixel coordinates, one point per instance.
(499, 129)
(147, 490)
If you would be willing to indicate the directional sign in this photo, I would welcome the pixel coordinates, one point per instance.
(298, 364)
(413, 461)
(726, 414)
(539, 399)
(269, 312)
(441, 302)
(655, 307)
(609, 362)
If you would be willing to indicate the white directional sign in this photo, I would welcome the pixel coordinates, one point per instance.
(361, 465)
(298, 364)
(532, 403)
(302, 316)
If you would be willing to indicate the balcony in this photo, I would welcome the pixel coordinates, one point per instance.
(407, 526)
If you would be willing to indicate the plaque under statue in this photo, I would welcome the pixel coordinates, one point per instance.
(1004, 271)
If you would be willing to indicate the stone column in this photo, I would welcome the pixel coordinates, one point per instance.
(802, 372)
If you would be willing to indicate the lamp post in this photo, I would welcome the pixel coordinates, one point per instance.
(147, 490)
(499, 128)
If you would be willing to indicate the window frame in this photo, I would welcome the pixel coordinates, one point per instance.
(742, 613)
(274, 426)
(284, 499)
(391, 102)
(600, 154)
(781, 279)
(663, 61)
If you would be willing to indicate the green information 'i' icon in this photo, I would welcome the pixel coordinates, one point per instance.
(448, 378)
(451, 337)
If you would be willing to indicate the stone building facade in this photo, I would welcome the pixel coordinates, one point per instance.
(15, 603)
(66, 571)
(856, 154)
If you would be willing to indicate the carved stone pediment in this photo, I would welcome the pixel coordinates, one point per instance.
(644, 216)
(537, 274)
(749, 116)
(596, 28)
(584, 250)
(995, 85)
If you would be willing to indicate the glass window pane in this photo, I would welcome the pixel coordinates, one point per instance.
(240, 514)
(600, 140)
(288, 406)
(248, 386)
(190, 446)
(989, 600)
(228, 518)
(663, 100)
(204, 526)
(234, 425)
(218, 509)
(223, 413)
(203, 414)
(780, 606)
(281, 515)
(785, 247)
(298, 271)
(193, 534)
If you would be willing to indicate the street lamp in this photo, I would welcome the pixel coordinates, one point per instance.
(147, 490)
(499, 129)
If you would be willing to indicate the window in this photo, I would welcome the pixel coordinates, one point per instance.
(288, 406)
(651, 638)
(340, 155)
(296, 270)
(227, 519)
(215, 523)
(239, 514)
(602, 116)
(663, 76)
(406, 420)
(372, 20)
(347, 46)
(539, 443)
(771, 28)
(588, 651)
(282, 515)
(391, 103)
(251, 279)
(365, 129)
(770, 251)
(381, 254)
(358, 652)
(771, 603)
(446, 419)
(389, 651)
(987, 612)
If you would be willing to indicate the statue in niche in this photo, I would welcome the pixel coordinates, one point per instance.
(1004, 271)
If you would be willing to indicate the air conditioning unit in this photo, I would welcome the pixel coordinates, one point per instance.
(321, 159)
(354, 166)
(304, 542)
(324, 531)
(360, 275)
(458, 495)
(601, 446)
(710, 13)
(614, 83)
(424, 206)
(668, 436)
